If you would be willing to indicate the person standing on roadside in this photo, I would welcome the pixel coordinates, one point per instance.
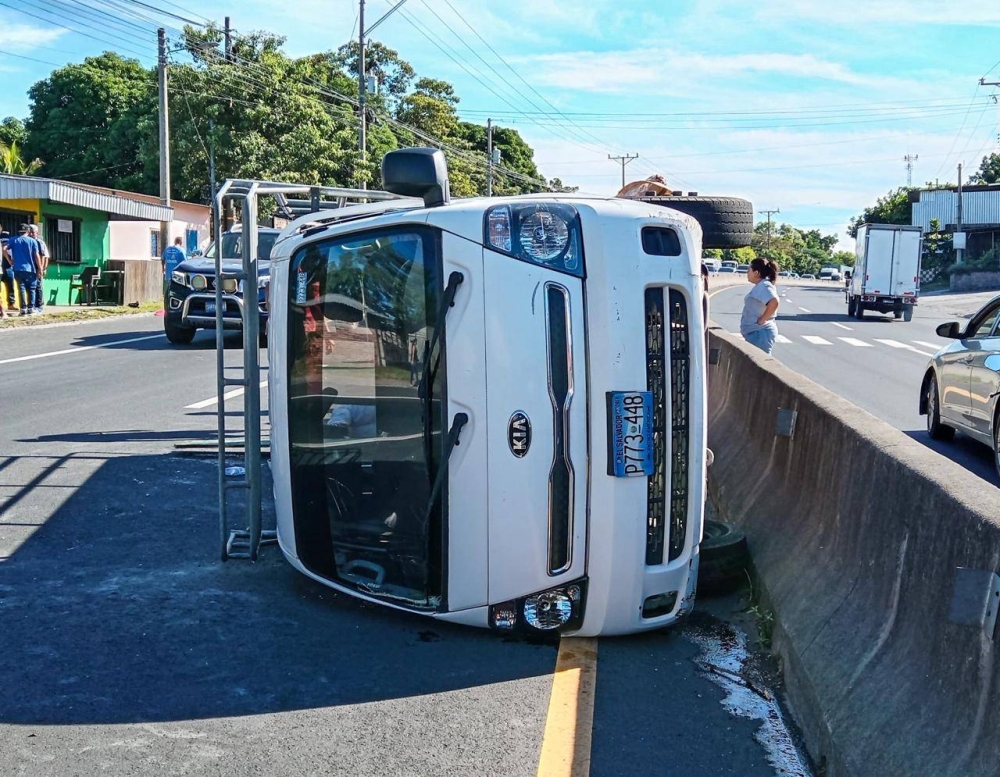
(25, 257)
(172, 256)
(43, 250)
(760, 306)
(6, 279)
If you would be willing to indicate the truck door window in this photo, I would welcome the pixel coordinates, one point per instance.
(361, 309)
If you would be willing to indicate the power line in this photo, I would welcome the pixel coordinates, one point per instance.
(624, 159)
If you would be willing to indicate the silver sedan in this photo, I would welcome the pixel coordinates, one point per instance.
(962, 383)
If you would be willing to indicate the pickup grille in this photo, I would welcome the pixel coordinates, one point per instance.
(561, 390)
(656, 487)
(680, 401)
(667, 337)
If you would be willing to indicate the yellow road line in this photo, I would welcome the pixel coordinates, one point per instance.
(570, 721)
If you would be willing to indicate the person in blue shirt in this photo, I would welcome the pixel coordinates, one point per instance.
(25, 256)
(172, 256)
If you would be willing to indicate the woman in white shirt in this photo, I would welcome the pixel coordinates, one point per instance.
(760, 306)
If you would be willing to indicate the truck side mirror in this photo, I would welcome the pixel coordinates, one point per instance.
(951, 330)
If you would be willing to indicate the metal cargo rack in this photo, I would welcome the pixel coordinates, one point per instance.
(294, 201)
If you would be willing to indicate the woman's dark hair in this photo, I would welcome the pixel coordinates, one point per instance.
(765, 269)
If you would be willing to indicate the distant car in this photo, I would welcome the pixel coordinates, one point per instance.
(829, 274)
(190, 299)
(961, 387)
(727, 269)
(808, 277)
(742, 268)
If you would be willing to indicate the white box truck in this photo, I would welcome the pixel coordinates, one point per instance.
(886, 276)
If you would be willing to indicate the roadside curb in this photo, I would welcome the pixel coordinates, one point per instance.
(57, 324)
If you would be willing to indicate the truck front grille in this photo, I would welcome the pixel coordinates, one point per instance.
(561, 389)
(656, 487)
(670, 454)
(680, 399)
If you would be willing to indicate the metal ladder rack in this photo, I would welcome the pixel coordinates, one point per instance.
(245, 543)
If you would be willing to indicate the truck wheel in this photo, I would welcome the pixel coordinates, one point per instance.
(935, 429)
(178, 335)
(852, 306)
(726, 222)
(724, 558)
(897, 314)
(859, 309)
(908, 313)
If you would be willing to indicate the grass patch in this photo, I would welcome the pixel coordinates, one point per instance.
(83, 314)
(763, 616)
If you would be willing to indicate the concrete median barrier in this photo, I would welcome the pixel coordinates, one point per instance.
(857, 532)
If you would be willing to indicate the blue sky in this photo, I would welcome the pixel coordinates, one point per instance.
(804, 106)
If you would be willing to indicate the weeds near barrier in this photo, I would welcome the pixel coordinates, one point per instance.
(763, 616)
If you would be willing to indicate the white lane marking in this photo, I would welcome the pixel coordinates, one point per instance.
(214, 400)
(816, 340)
(855, 342)
(842, 326)
(904, 346)
(932, 346)
(804, 310)
(782, 339)
(78, 349)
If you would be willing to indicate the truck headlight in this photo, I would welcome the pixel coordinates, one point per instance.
(230, 285)
(199, 282)
(543, 233)
(179, 277)
(559, 608)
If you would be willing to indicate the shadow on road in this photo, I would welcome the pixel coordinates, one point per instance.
(126, 435)
(974, 456)
(117, 610)
(203, 341)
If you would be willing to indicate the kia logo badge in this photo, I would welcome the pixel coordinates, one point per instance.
(519, 434)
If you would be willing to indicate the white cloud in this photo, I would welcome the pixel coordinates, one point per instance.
(669, 72)
(859, 12)
(24, 37)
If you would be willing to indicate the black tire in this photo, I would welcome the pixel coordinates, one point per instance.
(262, 338)
(908, 313)
(935, 429)
(724, 558)
(897, 314)
(726, 222)
(178, 335)
(859, 309)
(852, 306)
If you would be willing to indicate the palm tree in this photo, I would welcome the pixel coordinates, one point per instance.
(12, 163)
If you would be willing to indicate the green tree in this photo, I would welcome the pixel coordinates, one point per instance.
(989, 170)
(557, 185)
(394, 74)
(893, 208)
(12, 162)
(74, 113)
(12, 130)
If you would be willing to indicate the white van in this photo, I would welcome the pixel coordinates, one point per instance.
(492, 411)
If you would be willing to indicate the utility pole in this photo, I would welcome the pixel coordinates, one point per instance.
(959, 252)
(767, 244)
(910, 159)
(229, 42)
(363, 76)
(211, 175)
(161, 37)
(489, 153)
(362, 90)
(624, 159)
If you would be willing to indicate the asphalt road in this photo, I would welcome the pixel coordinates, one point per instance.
(876, 363)
(128, 649)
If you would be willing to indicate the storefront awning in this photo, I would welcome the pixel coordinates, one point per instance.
(22, 187)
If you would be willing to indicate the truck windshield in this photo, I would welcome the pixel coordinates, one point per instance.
(360, 312)
(232, 245)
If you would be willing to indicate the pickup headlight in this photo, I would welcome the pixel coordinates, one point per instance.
(230, 285)
(179, 277)
(557, 609)
(543, 233)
